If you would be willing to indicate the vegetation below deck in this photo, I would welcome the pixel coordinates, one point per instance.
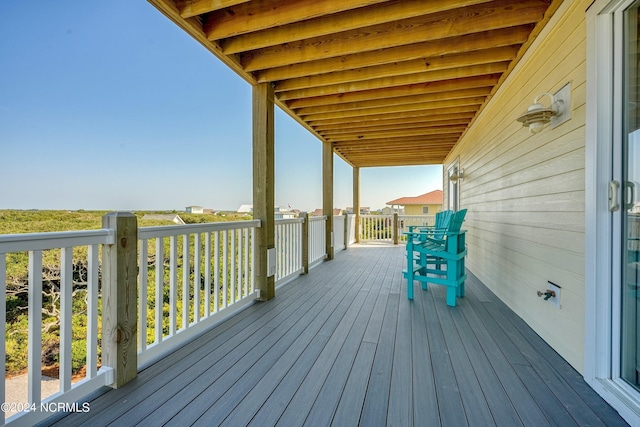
(37, 221)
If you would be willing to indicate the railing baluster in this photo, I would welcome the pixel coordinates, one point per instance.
(225, 268)
(173, 291)
(216, 276)
(66, 304)
(159, 305)
(143, 283)
(35, 327)
(196, 278)
(186, 270)
(253, 259)
(92, 311)
(246, 260)
(234, 265)
(240, 258)
(207, 274)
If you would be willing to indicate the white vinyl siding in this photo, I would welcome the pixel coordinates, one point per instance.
(526, 192)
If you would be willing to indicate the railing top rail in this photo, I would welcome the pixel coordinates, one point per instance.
(50, 240)
(318, 218)
(178, 230)
(290, 221)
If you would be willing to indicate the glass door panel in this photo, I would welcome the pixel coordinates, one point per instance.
(629, 207)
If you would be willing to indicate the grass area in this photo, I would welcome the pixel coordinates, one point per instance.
(37, 221)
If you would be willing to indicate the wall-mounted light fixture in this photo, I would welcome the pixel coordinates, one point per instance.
(456, 175)
(538, 116)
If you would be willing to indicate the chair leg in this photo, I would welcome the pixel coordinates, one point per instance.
(410, 271)
(451, 295)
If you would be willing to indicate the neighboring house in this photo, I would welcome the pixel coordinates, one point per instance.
(285, 215)
(425, 204)
(245, 209)
(194, 209)
(318, 212)
(364, 210)
(390, 211)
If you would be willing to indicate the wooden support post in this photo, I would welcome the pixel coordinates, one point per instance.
(263, 185)
(327, 194)
(356, 201)
(305, 242)
(120, 297)
(396, 228)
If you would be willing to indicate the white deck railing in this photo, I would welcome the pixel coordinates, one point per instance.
(383, 227)
(288, 249)
(404, 221)
(207, 269)
(37, 407)
(317, 239)
(189, 278)
(376, 228)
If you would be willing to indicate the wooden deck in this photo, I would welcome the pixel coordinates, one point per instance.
(344, 346)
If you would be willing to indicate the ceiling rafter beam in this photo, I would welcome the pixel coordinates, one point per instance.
(259, 15)
(398, 91)
(458, 22)
(189, 8)
(377, 119)
(416, 66)
(413, 99)
(347, 132)
(399, 108)
(344, 21)
(449, 46)
(388, 82)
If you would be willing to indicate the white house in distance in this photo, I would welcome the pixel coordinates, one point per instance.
(194, 209)
(245, 209)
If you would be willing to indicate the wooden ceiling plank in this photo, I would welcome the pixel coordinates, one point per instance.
(346, 132)
(394, 127)
(458, 22)
(189, 8)
(416, 66)
(263, 14)
(338, 22)
(388, 82)
(352, 121)
(452, 45)
(390, 109)
(454, 131)
(424, 120)
(413, 99)
(398, 91)
(405, 134)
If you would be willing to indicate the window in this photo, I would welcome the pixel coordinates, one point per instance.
(425, 210)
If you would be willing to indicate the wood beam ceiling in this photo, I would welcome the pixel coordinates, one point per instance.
(387, 82)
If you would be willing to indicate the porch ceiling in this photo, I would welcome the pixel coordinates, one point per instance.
(388, 83)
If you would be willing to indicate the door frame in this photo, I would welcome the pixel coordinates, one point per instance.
(602, 281)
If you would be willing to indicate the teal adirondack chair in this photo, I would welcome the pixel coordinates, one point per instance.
(424, 251)
(441, 223)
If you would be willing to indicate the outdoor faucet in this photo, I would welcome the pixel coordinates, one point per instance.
(547, 294)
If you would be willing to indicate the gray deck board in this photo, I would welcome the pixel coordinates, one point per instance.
(344, 346)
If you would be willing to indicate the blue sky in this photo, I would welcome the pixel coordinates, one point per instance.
(109, 105)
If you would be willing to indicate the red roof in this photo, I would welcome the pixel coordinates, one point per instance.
(433, 198)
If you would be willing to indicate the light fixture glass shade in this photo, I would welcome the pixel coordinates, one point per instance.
(537, 115)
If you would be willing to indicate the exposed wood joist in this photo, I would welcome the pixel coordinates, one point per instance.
(353, 19)
(457, 22)
(449, 46)
(386, 83)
